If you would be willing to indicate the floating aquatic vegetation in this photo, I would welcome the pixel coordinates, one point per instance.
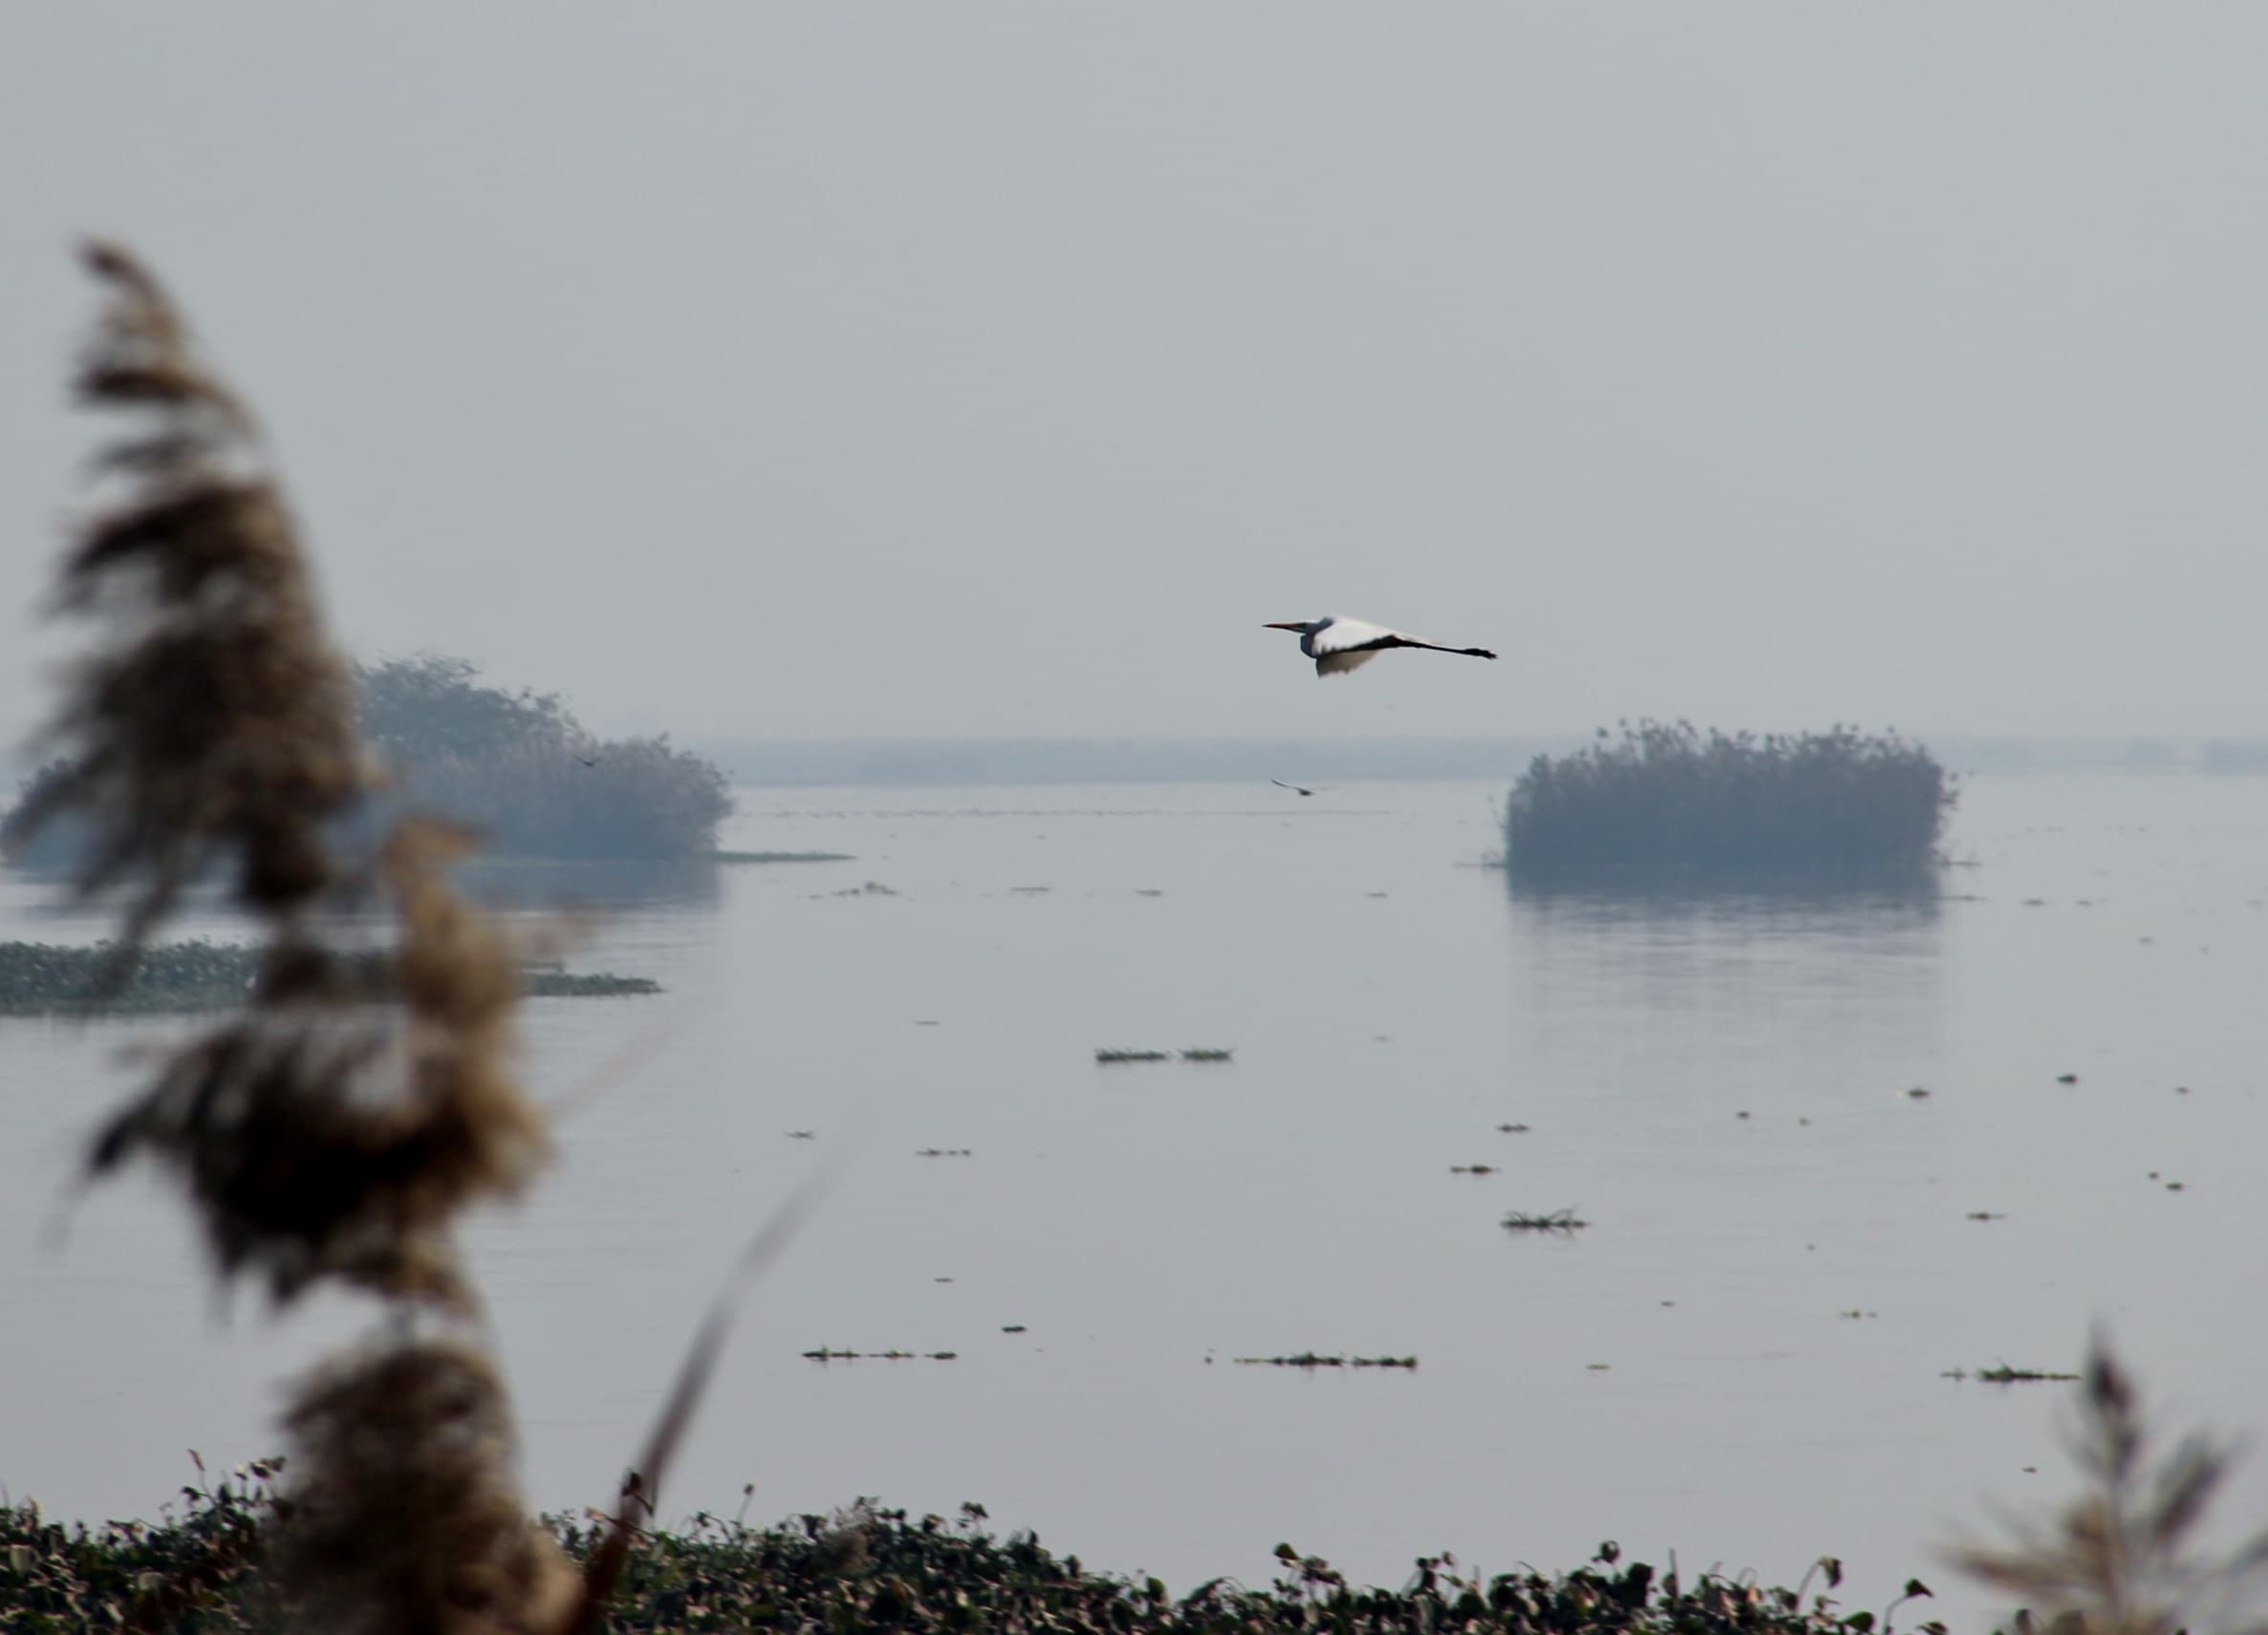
(1317, 1359)
(830, 1354)
(870, 1568)
(43, 977)
(1208, 1055)
(945, 1152)
(1985, 1214)
(1114, 1056)
(2002, 1374)
(1512, 1128)
(1557, 1220)
(1471, 1168)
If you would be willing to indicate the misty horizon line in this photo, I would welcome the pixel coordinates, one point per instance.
(1175, 758)
(905, 760)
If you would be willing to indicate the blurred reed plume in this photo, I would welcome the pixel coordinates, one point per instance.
(320, 1136)
(2122, 1558)
(403, 1515)
(214, 722)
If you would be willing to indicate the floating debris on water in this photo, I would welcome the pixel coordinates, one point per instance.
(1512, 1128)
(1557, 1220)
(1147, 891)
(829, 1354)
(871, 888)
(945, 1152)
(1316, 1360)
(1208, 1055)
(2066, 1078)
(1471, 1168)
(2002, 1374)
(1032, 890)
(1986, 1215)
(1011, 1328)
(1855, 1313)
(803, 1135)
(1133, 1056)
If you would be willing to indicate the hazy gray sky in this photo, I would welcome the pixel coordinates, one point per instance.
(833, 370)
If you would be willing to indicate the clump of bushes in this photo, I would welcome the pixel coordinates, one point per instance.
(530, 777)
(516, 766)
(1669, 802)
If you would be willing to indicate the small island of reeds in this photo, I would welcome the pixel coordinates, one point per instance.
(1668, 803)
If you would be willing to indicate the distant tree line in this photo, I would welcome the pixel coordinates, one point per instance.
(1670, 802)
(518, 767)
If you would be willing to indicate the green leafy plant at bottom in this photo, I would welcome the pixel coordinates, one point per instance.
(866, 1567)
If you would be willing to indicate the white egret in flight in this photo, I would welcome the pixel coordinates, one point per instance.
(1338, 644)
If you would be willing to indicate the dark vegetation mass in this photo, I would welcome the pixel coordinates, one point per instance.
(873, 1569)
(515, 767)
(38, 979)
(1671, 803)
(530, 777)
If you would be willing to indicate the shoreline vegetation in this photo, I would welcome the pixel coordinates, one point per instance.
(1667, 805)
(46, 978)
(866, 1567)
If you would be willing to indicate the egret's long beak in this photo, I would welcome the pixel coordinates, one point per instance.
(1292, 624)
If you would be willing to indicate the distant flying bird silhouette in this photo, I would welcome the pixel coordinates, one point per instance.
(1339, 644)
(1293, 788)
(588, 760)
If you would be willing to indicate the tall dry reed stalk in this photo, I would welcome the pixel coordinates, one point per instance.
(321, 1138)
(2122, 1558)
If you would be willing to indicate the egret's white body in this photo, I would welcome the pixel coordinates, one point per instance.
(1339, 644)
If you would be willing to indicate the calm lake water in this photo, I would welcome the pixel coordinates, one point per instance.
(1720, 1087)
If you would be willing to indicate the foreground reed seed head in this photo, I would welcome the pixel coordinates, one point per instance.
(402, 1512)
(2123, 1557)
(321, 1137)
(215, 726)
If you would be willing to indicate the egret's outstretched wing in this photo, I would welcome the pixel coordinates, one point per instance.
(1343, 634)
(1340, 662)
